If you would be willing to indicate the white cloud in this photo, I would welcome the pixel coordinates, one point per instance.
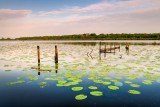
(133, 16)
(11, 14)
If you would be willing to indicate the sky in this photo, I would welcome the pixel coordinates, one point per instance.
(19, 18)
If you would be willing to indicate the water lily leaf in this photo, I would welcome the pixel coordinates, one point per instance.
(118, 84)
(96, 93)
(111, 87)
(92, 87)
(134, 92)
(77, 88)
(16, 82)
(135, 85)
(147, 82)
(80, 97)
(128, 82)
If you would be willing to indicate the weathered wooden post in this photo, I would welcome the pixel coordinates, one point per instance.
(105, 51)
(38, 54)
(114, 49)
(100, 50)
(110, 48)
(56, 54)
(119, 47)
(56, 67)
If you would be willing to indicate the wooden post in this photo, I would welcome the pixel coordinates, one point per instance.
(105, 51)
(56, 54)
(119, 47)
(110, 47)
(114, 49)
(56, 67)
(38, 54)
(100, 50)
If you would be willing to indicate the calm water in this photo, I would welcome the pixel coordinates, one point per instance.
(120, 80)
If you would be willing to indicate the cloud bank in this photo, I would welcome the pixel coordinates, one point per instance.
(122, 16)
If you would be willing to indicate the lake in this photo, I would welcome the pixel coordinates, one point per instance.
(120, 79)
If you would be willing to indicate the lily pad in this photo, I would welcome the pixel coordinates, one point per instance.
(80, 97)
(135, 85)
(147, 82)
(43, 84)
(118, 84)
(134, 92)
(106, 83)
(128, 82)
(96, 93)
(32, 78)
(16, 82)
(92, 87)
(111, 87)
(77, 88)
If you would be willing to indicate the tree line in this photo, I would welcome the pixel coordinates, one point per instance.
(93, 36)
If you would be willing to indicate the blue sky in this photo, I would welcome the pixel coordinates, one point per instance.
(43, 5)
(60, 17)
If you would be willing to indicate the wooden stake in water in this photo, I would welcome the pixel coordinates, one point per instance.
(114, 49)
(38, 54)
(56, 54)
(105, 51)
(100, 50)
(119, 47)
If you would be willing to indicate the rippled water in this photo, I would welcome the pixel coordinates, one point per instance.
(120, 80)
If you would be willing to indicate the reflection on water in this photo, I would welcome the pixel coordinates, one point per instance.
(79, 78)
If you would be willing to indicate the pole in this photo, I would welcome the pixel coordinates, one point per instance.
(56, 54)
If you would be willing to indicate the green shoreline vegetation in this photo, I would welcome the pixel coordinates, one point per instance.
(93, 36)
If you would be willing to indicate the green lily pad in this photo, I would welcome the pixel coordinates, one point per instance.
(135, 85)
(114, 80)
(92, 87)
(128, 82)
(77, 88)
(96, 93)
(16, 82)
(43, 84)
(106, 83)
(134, 92)
(118, 84)
(147, 82)
(80, 97)
(32, 78)
(111, 87)
(158, 80)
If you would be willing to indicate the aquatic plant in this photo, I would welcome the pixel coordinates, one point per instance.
(16, 82)
(92, 87)
(77, 88)
(134, 92)
(147, 82)
(111, 87)
(81, 97)
(135, 85)
(118, 84)
(96, 93)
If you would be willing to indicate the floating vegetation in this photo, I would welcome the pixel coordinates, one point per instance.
(134, 92)
(106, 83)
(114, 80)
(51, 79)
(111, 87)
(128, 82)
(32, 78)
(92, 87)
(80, 97)
(135, 85)
(96, 93)
(77, 88)
(16, 82)
(118, 84)
(147, 82)
(43, 84)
